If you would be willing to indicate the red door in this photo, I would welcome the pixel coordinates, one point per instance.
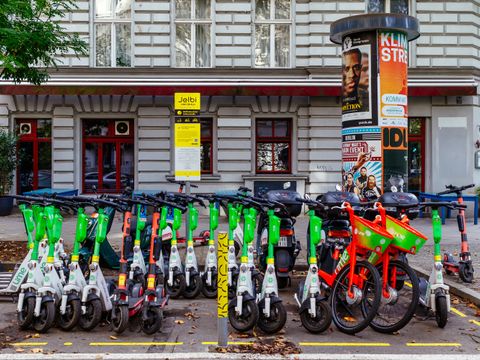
(416, 155)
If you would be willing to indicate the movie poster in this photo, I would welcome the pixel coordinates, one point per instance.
(358, 66)
(393, 107)
(362, 162)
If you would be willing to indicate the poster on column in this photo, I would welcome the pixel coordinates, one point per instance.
(393, 107)
(362, 162)
(358, 65)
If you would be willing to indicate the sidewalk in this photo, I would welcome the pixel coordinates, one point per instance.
(12, 229)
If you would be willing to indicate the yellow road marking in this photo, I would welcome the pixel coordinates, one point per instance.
(434, 344)
(408, 284)
(352, 344)
(146, 343)
(29, 344)
(474, 322)
(67, 344)
(229, 343)
(457, 312)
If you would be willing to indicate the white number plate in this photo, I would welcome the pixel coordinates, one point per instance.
(283, 241)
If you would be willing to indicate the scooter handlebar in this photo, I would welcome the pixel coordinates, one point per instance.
(438, 204)
(157, 201)
(455, 189)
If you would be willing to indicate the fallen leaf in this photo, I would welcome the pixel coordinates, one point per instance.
(37, 350)
(19, 350)
(113, 337)
(349, 319)
(179, 322)
(36, 336)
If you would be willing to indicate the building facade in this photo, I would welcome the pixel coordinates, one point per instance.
(270, 81)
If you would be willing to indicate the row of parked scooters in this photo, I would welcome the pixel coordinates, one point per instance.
(358, 275)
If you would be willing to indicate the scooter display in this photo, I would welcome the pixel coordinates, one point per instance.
(434, 293)
(463, 267)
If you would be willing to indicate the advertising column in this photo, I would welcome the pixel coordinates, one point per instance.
(374, 101)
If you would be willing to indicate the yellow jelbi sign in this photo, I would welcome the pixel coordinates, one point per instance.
(187, 101)
(187, 149)
(222, 278)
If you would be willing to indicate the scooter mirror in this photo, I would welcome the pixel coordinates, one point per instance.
(306, 197)
(94, 189)
(338, 187)
(393, 188)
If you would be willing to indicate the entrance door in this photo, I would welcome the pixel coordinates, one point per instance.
(34, 153)
(416, 155)
(108, 155)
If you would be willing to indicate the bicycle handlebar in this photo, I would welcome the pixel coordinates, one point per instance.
(455, 189)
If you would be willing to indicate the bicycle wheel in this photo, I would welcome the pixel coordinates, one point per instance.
(352, 315)
(396, 311)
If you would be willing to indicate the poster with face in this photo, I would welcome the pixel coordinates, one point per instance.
(357, 89)
(362, 162)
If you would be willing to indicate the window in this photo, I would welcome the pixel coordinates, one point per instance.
(193, 33)
(273, 145)
(108, 155)
(34, 151)
(388, 6)
(206, 148)
(272, 33)
(113, 33)
(416, 154)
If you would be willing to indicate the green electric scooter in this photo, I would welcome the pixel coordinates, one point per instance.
(434, 293)
(209, 276)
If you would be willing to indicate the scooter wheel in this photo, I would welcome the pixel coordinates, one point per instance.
(72, 314)
(154, 320)
(25, 317)
(322, 319)
(275, 322)
(178, 286)
(93, 314)
(45, 320)
(120, 320)
(465, 271)
(194, 289)
(247, 319)
(441, 312)
(209, 291)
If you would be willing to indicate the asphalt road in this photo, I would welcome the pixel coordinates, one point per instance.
(190, 327)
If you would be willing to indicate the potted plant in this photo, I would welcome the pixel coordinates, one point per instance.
(8, 164)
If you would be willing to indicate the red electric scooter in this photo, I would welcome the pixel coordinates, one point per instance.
(464, 266)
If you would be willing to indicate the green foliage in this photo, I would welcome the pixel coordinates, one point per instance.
(31, 37)
(8, 160)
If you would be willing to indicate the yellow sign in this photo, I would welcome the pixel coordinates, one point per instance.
(187, 101)
(187, 135)
(187, 149)
(222, 278)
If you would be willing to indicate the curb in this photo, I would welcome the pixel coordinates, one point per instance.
(455, 288)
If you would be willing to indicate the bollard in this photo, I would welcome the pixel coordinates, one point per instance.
(222, 286)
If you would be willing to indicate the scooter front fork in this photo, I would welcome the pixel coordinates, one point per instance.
(266, 309)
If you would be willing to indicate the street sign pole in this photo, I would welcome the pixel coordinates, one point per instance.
(222, 292)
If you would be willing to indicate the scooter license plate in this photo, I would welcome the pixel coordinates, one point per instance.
(283, 241)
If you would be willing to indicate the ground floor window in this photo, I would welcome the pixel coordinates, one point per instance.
(206, 147)
(108, 155)
(34, 151)
(273, 145)
(416, 154)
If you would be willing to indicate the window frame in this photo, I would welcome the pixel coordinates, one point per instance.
(35, 140)
(208, 140)
(118, 140)
(388, 7)
(192, 22)
(272, 22)
(112, 21)
(274, 140)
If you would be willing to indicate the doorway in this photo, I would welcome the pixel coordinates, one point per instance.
(416, 155)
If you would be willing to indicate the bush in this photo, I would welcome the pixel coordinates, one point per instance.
(8, 160)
